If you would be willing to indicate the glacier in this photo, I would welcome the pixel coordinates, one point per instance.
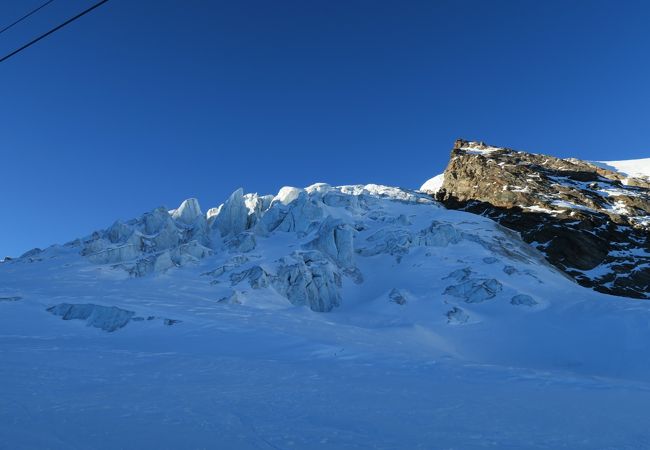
(361, 316)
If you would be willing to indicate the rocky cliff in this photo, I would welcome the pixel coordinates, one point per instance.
(589, 221)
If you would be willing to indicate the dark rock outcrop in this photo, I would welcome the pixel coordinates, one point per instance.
(590, 222)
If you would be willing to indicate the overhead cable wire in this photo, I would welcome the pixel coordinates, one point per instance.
(26, 16)
(58, 27)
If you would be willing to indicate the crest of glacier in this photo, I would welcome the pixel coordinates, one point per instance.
(302, 245)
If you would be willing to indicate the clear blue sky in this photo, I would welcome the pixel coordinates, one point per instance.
(145, 103)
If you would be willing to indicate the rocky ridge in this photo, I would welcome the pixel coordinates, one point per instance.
(589, 221)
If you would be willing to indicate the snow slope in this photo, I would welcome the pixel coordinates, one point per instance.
(324, 317)
(629, 168)
(433, 185)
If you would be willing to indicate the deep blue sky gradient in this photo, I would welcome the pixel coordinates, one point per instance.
(145, 103)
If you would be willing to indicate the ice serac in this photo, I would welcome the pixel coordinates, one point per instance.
(287, 194)
(309, 279)
(335, 239)
(156, 241)
(239, 213)
(299, 215)
(107, 318)
(188, 212)
(590, 220)
(232, 217)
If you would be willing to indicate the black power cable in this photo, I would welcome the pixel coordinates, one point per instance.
(26, 16)
(58, 27)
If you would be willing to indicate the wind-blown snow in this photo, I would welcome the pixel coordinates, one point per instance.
(330, 317)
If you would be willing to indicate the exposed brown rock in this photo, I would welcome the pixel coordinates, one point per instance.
(584, 218)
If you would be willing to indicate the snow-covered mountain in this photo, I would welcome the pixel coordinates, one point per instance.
(324, 317)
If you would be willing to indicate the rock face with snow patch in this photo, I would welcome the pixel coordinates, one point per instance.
(589, 221)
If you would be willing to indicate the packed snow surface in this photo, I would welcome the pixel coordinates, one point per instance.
(327, 317)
